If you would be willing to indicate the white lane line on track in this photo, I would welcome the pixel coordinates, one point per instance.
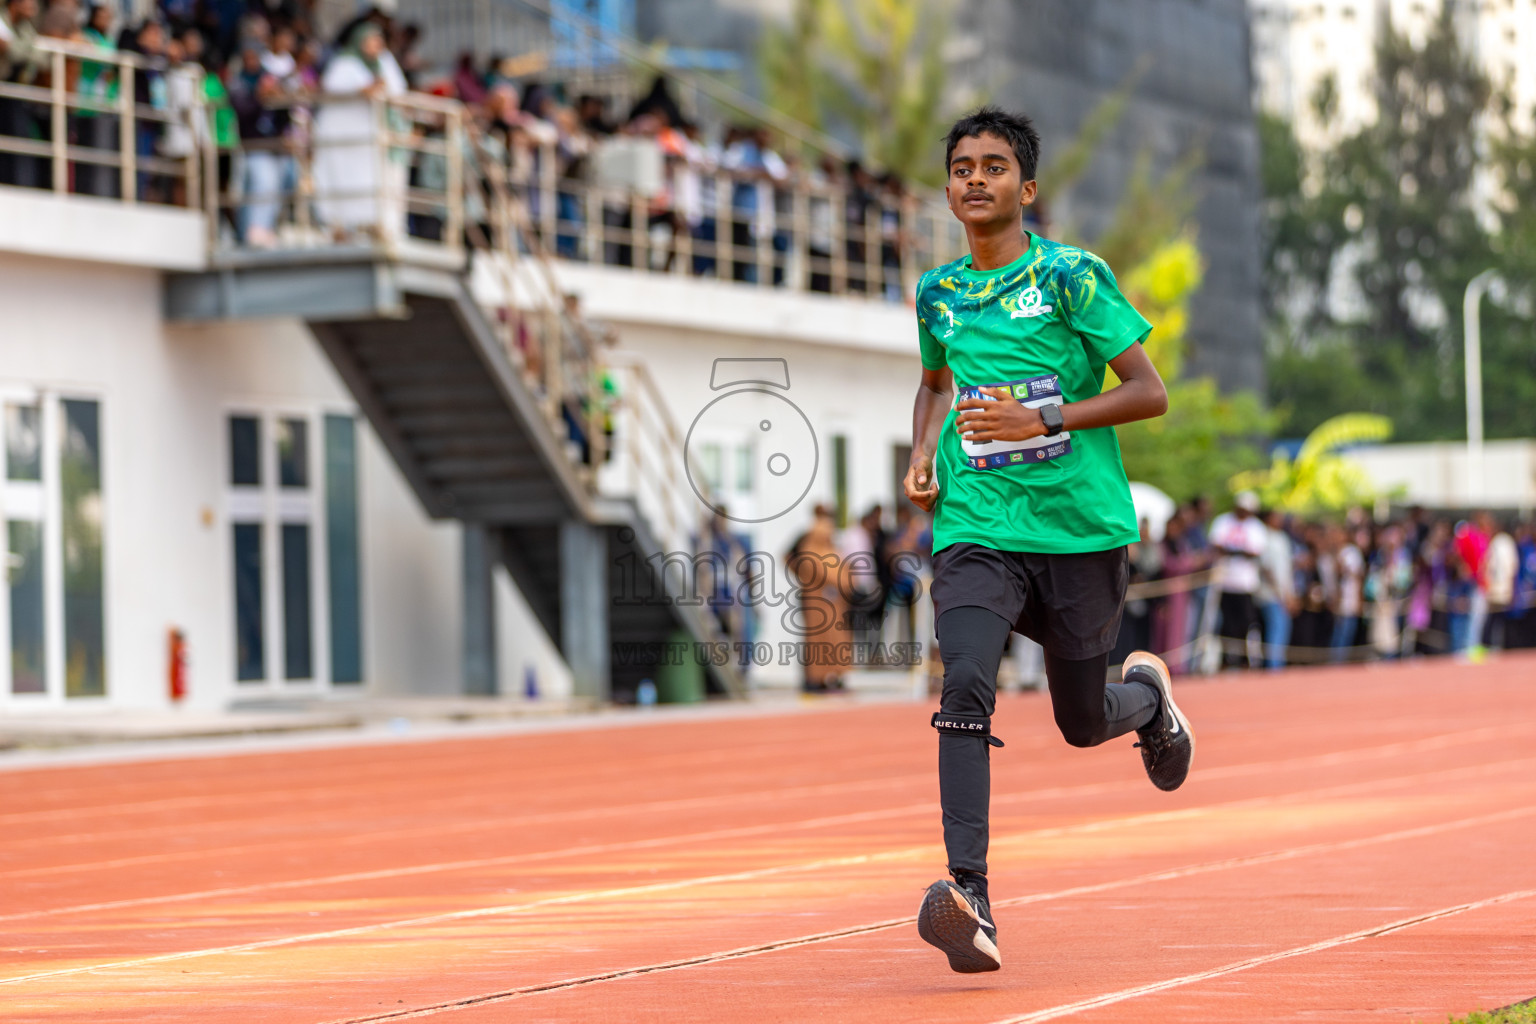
(926, 849)
(448, 828)
(641, 844)
(290, 790)
(1423, 745)
(380, 743)
(350, 791)
(1420, 745)
(864, 929)
(478, 823)
(1109, 999)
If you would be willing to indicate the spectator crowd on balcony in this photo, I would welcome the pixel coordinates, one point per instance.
(255, 69)
(648, 188)
(625, 183)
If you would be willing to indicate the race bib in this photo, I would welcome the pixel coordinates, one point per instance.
(1033, 393)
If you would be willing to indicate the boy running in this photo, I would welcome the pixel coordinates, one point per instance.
(1031, 509)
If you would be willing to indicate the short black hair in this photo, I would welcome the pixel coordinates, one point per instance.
(1016, 129)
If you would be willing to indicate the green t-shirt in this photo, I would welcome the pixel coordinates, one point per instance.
(1046, 324)
(221, 115)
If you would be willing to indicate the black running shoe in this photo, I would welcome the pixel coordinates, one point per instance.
(959, 922)
(1167, 742)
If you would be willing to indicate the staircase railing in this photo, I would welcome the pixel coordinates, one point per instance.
(625, 442)
(652, 469)
(629, 429)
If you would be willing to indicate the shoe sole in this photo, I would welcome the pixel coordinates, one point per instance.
(1165, 687)
(946, 921)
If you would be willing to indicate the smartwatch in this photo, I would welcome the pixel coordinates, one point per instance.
(1050, 415)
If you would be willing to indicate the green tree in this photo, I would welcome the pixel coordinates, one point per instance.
(791, 83)
(875, 65)
(1206, 437)
(1320, 479)
(1509, 336)
(1370, 243)
(1204, 440)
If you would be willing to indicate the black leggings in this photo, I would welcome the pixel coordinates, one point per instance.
(1088, 712)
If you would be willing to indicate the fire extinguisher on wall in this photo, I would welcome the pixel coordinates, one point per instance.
(177, 676)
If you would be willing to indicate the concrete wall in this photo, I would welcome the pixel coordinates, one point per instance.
(101, 231)
(410, 573)
(853, 370)
(95, 330)
(1440, 474)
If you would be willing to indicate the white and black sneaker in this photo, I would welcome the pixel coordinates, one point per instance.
(958, 921)
(1167, 742)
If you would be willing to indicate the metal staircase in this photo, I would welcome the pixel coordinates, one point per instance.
(476, 376)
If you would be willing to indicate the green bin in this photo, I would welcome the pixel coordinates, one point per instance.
(680, 680)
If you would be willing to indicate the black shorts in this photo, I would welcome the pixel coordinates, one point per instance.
(1068, 604)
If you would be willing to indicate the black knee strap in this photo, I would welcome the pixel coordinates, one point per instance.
(966, 725)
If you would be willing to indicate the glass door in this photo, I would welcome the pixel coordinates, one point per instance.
(52, 606)
(24, 617)
(271, 506)
(295, 531)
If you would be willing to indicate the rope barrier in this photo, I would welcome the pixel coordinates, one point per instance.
(1170, 585)
(1213, 647)
(1203, 653)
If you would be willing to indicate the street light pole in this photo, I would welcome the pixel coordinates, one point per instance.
(1473, 338)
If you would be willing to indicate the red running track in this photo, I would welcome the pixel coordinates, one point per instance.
(1353, 845)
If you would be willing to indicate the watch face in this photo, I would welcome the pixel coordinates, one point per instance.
(783, 445)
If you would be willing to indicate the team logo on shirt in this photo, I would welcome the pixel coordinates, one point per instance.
(1031, 304)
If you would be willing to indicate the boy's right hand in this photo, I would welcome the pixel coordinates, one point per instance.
(921, 487)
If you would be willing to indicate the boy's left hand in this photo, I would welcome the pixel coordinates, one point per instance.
(998, 417)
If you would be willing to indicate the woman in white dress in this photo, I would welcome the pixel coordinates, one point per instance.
(357, 184)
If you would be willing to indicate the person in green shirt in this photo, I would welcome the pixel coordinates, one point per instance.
(222, 127)
(96, 124)
(1031, 509)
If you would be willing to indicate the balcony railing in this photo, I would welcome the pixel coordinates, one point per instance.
(74, 125)
(638, 208)
(349, 170)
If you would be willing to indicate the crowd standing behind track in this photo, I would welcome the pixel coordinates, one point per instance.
(1281, 590)
(1273, 588)
(1362, 590)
